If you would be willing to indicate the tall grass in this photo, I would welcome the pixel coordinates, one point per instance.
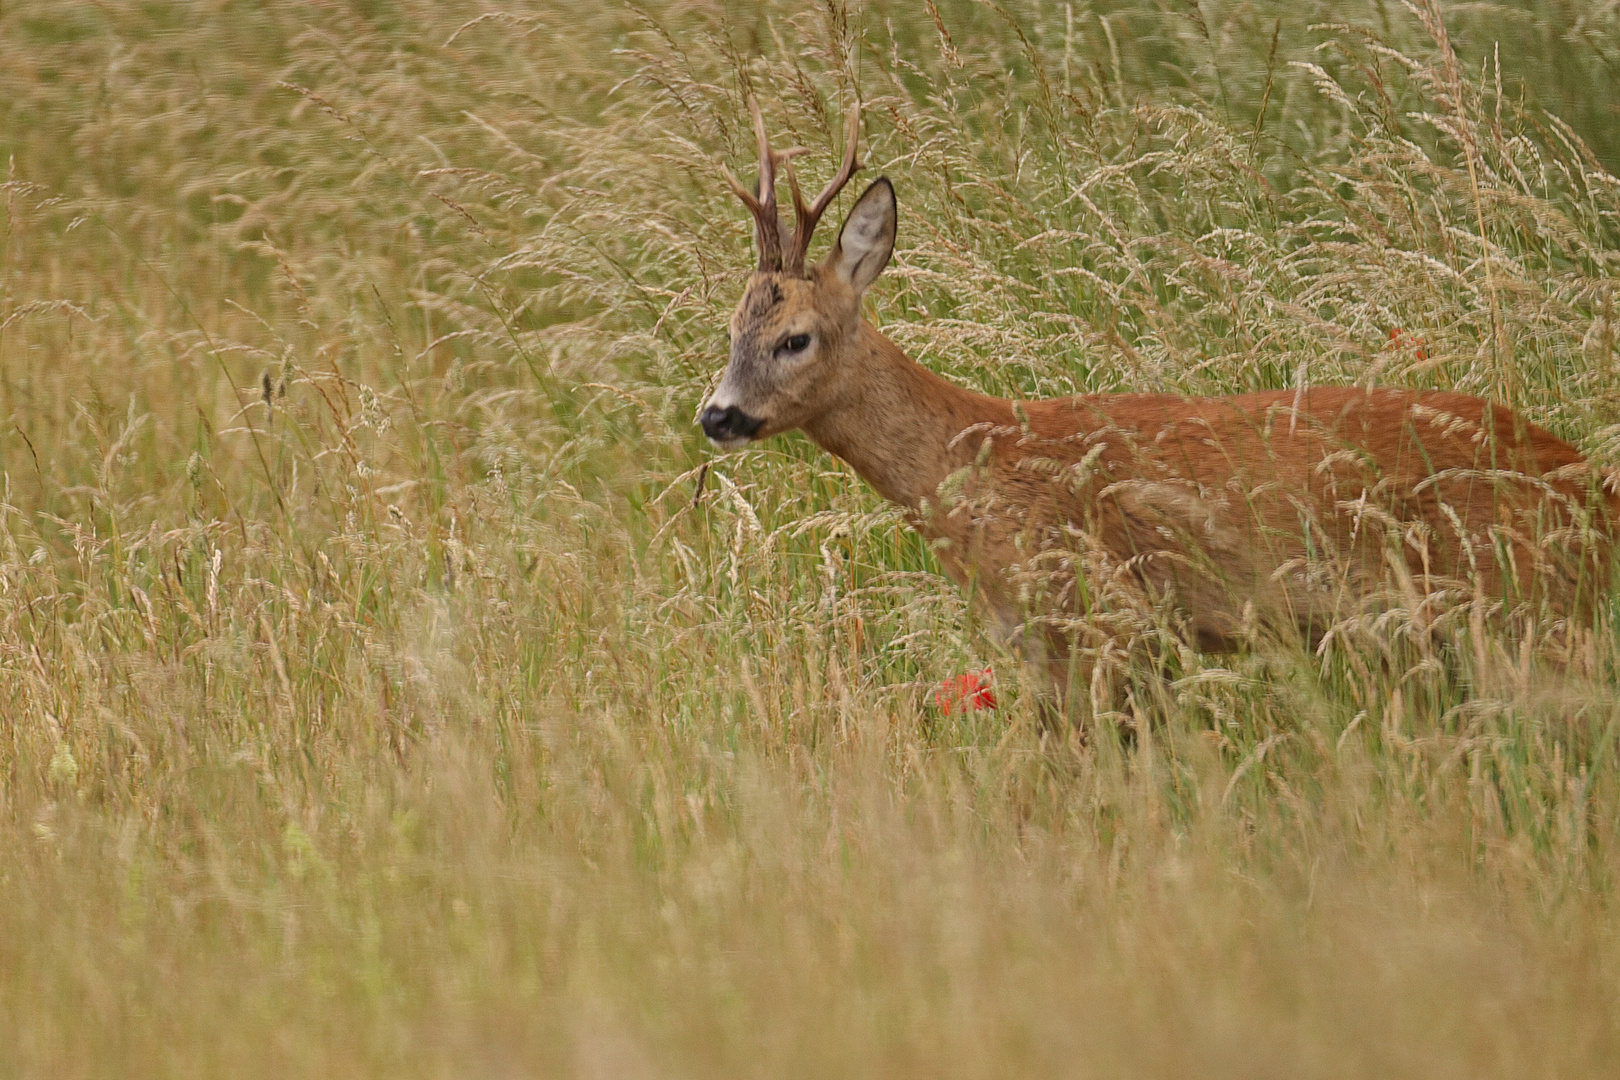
(383, 692)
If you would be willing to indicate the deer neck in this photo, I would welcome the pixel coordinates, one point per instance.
(898, 423)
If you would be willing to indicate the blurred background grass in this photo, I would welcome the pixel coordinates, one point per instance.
(379, 699)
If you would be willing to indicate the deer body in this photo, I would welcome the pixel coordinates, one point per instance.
(1284, 510)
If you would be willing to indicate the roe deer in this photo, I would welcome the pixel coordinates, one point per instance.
(1261, 512)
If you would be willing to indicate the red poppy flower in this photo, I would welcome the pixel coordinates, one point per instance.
(1400, 339)
(966, 692)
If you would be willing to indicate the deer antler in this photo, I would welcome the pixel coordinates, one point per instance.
(766, 224)
(762, 202)
(806, 217)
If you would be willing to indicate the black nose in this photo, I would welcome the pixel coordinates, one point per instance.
(724, 425)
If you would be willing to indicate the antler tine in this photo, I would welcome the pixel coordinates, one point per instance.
(785, 157)
(852, 131)
(741, 192)
(806, 217)
(799, 209)
(767, 221)
(761, 203)
(767, 162)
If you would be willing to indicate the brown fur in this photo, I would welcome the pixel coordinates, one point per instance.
(1271, 512)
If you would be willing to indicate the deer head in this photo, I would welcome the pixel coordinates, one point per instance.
(792, 328)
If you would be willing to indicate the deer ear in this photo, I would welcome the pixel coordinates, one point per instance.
(866, 239)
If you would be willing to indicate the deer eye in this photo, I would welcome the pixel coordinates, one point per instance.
(796, 343)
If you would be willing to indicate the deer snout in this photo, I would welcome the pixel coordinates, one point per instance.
(729, 426)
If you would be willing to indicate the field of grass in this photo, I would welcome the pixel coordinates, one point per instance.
(381, 695)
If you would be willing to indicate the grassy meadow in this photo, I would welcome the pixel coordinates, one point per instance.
(382, 695)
